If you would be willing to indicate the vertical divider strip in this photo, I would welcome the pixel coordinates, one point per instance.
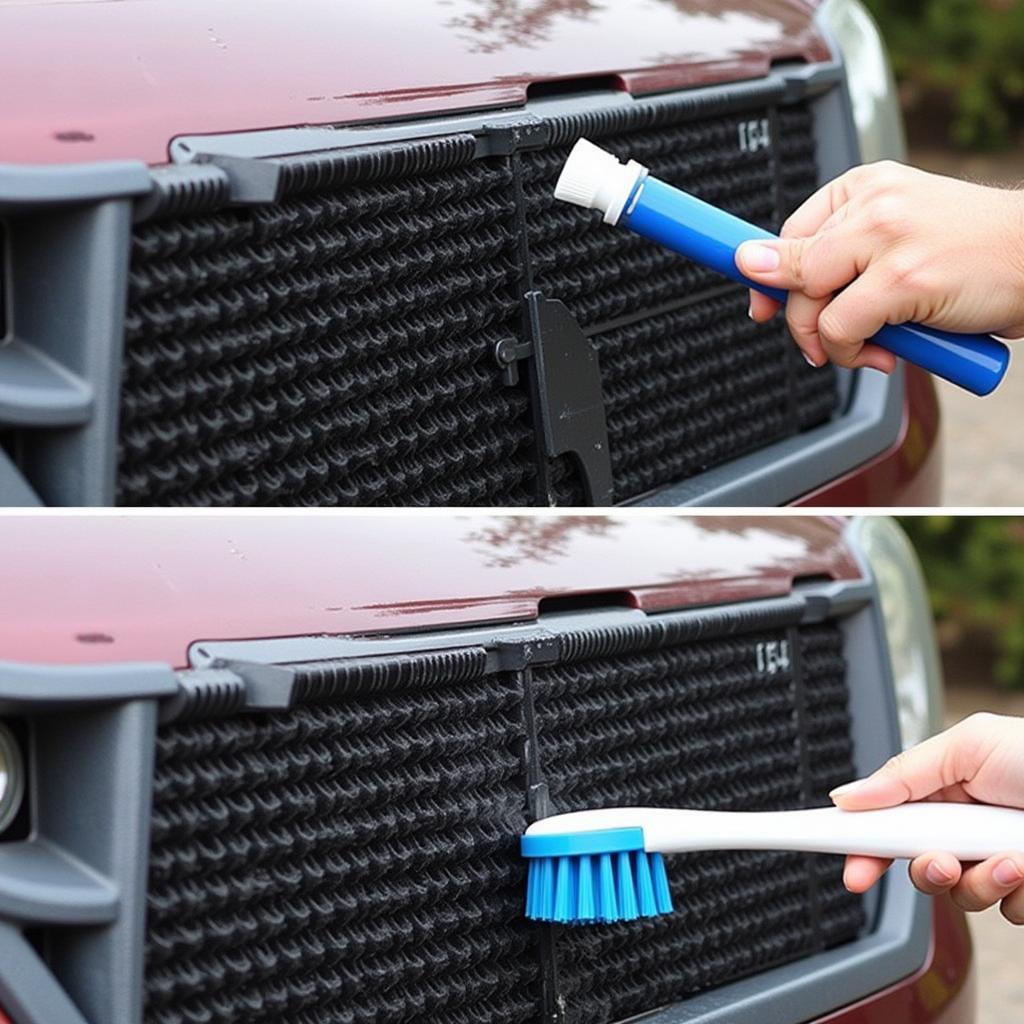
(779, 211)
(538, 806)
(543, 469)
(806, 792)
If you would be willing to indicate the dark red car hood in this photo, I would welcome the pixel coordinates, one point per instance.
(93, 589)
(105, 79)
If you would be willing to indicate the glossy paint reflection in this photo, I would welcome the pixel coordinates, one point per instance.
(131, 587)
(120, 80)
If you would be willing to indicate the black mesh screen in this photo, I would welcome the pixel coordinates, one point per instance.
(337, 347)
(689, 380)
(347, 863)
(330, 349)
(699, 726)
(357, 861)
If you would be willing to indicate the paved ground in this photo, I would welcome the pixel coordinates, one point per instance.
(984, 437)
(998, 946)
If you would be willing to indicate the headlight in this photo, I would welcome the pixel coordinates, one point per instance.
(909, 627)
(872, 87)
(12, 777)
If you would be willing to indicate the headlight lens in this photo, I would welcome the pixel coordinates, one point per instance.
(872, 87)
(909, 627)
(12, 777)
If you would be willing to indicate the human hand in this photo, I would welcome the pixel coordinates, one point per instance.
(903, 245)
(981, 759)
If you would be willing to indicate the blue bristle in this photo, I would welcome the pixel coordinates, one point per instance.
(626, 890)
(585, 907)
(565, 893)
(608, 907)
(647, 905)
(662, 893)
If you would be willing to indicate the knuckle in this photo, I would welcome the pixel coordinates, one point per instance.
(895, 764)
(981, 720)
(887, 215)
(886, 174)
(797, 261)
(905, 271)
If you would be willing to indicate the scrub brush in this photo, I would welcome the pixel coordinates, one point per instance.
(626, 194)
(601, 866)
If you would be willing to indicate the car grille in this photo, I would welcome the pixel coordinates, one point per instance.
(337, 347)
(354, 859)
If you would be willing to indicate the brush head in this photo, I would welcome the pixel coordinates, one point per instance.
(594, 179)
(596, 877)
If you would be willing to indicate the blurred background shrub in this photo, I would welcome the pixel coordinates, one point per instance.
(960, 65)
(974, 566)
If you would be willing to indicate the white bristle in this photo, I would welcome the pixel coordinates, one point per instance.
(594, 179)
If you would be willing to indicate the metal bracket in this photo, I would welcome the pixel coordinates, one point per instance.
(568, 396)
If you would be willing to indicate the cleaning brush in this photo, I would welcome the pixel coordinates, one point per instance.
(606, 865)
(626, 194)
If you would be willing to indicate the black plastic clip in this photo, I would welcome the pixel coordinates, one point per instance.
(567, 394)
(508, 352)
(503, 139)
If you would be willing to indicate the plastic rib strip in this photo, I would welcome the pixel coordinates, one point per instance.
(318, 681)
(372, 163)
(668, 629)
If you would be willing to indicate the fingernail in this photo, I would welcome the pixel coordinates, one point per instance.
(811, 363)
(1006, 872)
(937, 874)
(759, 258)
(750, 312)
(846, 787)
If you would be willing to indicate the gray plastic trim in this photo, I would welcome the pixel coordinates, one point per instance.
(28, 993)
(70, 280)
(80, 877)
(26, 687)
(30, 187)
(15, 490)
(98, 808)
(36, 390)
(43, 884)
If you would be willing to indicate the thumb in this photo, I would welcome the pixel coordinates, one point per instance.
(912, 775)
(776, 262)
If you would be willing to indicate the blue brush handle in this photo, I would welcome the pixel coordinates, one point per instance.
(711, 236)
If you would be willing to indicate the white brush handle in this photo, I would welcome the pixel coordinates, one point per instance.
(968, 831)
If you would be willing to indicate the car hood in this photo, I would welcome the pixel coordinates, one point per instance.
(95, 79)
(96, 589)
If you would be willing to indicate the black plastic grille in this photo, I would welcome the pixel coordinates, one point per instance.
(329, 349)
(699, 726)
(356, 860)
(689, 380)
(336, 347)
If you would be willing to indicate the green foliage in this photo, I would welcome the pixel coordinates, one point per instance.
(969, 51)
(974, 566)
